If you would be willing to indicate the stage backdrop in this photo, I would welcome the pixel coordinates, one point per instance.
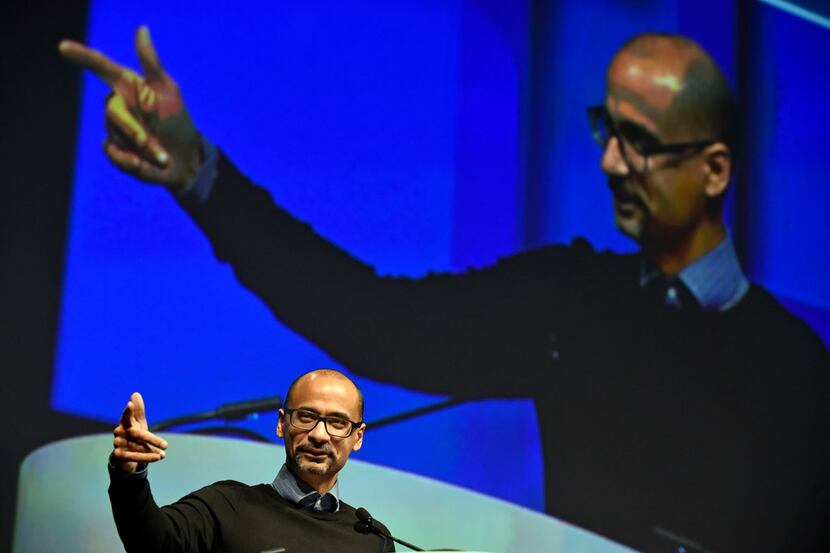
(420, 136)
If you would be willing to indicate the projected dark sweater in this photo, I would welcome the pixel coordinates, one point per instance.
(231, 517)
(709, 426)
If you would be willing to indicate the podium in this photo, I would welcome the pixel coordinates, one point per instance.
(63, 504)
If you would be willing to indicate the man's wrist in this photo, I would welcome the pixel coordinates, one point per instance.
(199, 187)
(117, 472)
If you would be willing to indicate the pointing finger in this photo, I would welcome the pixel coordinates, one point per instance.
(126, 417)
(95, 61)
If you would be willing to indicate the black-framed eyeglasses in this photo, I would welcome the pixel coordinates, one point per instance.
(636, 144)
(338, 427)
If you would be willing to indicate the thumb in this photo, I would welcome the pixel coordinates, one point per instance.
(147, 56)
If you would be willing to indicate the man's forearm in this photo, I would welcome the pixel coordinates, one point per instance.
(434, 333)
(141, 524)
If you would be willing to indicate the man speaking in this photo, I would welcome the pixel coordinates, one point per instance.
(300, 511)
(679, 405)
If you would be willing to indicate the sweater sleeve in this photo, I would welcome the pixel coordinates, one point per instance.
(459, 334)
(192, 524)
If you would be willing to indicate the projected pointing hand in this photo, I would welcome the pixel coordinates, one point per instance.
(150, 134)
(133, 442)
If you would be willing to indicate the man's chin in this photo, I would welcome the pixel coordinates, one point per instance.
(319, 468)
(630, 225)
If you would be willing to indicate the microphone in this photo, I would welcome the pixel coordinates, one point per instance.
(366, 525)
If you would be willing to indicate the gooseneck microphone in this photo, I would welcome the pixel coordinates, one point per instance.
(366, 525)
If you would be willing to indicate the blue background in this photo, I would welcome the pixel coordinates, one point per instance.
(429, 135)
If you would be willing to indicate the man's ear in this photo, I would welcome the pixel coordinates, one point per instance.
(358, 443)
(280, 424)
(718, 169)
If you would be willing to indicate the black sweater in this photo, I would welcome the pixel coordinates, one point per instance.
(231, 517)
(712, 427)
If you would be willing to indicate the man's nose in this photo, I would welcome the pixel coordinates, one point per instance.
(613, 162)
(319, 432)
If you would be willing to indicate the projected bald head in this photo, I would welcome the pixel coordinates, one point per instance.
(669, 118)
(677, 83)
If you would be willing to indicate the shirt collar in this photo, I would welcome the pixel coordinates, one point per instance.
(296, 491)
(715, 279)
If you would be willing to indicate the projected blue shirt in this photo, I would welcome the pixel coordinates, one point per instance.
(715, 280)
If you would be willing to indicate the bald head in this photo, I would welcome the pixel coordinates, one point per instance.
(691, 99)
(325, 373)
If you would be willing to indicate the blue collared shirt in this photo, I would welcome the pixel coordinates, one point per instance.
(300, 493)
(715, 279)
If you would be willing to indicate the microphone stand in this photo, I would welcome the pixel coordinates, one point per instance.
(406, 415)
(366, 524)
(234, 411)
(400, 541)
(238, 410)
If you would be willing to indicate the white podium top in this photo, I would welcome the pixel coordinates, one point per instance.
(63, 504)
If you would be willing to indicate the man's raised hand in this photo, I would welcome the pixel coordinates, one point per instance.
(133, 443)
(150, 134)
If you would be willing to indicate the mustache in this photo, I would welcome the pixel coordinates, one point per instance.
(325, 450)
(624, 190)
